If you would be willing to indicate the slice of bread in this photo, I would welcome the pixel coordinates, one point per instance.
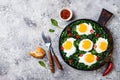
(38, 53)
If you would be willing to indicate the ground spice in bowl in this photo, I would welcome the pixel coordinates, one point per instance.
(66, 14)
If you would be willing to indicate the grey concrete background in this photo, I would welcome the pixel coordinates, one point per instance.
(21, 24)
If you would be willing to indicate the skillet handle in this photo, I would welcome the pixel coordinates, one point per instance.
(104, 17)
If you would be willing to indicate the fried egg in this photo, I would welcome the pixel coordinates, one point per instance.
(69, 47)
(101, 45)
(88, 59)
(85, 45)
(84, 28)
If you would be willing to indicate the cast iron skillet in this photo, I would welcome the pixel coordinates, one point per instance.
(103, 19)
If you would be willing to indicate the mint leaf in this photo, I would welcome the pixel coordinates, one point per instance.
(51, 30)
(42, 63)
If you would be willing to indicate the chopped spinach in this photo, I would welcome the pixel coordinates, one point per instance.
(75, 57)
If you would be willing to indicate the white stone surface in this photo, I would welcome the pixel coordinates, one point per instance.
(21, 24)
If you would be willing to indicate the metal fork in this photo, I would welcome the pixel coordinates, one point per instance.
(48, 44)
(54, 56)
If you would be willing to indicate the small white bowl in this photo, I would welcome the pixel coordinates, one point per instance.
(71, 14)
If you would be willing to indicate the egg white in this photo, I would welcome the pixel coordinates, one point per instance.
(72, 50)
(98, 50)
(81, 42)
(82, 59)
(89, 28)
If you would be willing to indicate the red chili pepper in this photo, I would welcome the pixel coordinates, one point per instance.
(97, 35)
(69, 34)
(80, 55)
(68, 29)
(109, 68)
(61, 48)
(97, 58)
(95, 46)
(77, 36)
(92, 31)
(70, 61)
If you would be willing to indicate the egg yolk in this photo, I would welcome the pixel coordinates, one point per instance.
(82, 28)
(86, 44)
(103, 45)
(67, 45)
(89, 58)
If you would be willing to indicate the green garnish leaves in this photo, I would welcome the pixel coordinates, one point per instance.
(42, 63)
(55, 23)
(51, 30)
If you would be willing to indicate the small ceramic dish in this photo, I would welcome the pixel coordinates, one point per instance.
(65, 14)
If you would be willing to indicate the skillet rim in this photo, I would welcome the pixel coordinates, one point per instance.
(109, 52)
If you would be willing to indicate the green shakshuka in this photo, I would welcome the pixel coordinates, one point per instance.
(84, 44)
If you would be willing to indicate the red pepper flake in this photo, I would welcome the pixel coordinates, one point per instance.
(61, 48)
(80, 55)
(95, 46)
(68, 29)
(92, 31)
(97, 35)
(77, 36)
(69, 34)
(97, 58)
(65, 14)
